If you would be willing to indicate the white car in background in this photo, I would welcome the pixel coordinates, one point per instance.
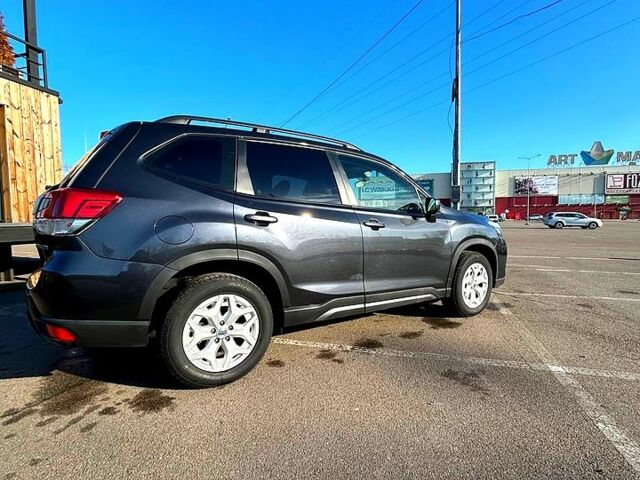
(571, 219)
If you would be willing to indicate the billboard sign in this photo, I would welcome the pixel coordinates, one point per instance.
(536, 185)
(621, 183)
(594, 157)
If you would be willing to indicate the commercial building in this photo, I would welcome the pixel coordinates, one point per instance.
(605, 191)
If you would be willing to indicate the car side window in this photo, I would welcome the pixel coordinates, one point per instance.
(291, 173)
(200, 158)
(377, 186)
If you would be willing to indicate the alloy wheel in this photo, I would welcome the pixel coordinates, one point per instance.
(221, 333)
(475, 284)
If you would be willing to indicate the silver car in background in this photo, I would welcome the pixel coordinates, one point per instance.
(571, 219)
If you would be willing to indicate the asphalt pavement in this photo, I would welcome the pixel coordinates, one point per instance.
(544, 384)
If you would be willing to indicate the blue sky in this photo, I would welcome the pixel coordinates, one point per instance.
(115, 61)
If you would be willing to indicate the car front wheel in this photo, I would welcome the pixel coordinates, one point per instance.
(558, 225)
(216, 331)
(592, 225)
(472, 285)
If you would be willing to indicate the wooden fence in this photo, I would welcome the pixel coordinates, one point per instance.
(30, 152)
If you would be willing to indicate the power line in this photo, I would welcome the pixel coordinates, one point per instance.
(506, 14)
(577, 19)
(513, 72)
(403, 39)
(336, 108)
(375, 44)
(339, 49)
(513, 20)
(474, 70)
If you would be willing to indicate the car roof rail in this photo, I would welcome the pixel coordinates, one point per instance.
(188, 119)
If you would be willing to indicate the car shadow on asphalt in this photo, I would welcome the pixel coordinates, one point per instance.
(25, 354)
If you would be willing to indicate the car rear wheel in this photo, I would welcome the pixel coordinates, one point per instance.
(558, 225)
(216, 330)
(592, 225)
(472, 285)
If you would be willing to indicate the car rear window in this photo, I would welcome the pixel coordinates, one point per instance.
(201, 158)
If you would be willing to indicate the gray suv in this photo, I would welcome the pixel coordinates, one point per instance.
(206, 236)
(571, 219)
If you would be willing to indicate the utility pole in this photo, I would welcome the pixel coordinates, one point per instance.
(528, 159)
(31, 37)
(456, 95)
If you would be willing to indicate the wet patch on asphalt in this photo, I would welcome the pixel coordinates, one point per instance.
(63, 396)
(410, 335)
(151, 401)
(368, 343)
(329, 355)
(88, 427)
(109, 410)
(440, 323)
(326, 354)
(15, 415)
(274, 362)
(472, 379)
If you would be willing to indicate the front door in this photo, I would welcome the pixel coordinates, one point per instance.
(402, 250)
(288, 210)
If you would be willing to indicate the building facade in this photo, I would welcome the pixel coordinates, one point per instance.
(604, 191)
(607, 191)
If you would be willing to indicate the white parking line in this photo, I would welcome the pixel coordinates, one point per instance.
(607, 259)
(625, 446)
(542, 268)
(558, 295)
(488, 362)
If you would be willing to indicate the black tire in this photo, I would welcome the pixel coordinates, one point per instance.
(592, 225)
(558, 225)
(455, 304)
(196, 292)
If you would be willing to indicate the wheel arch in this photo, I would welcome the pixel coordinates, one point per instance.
(249, 265)
(479, 245)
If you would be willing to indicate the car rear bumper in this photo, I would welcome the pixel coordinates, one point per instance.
(92, 333)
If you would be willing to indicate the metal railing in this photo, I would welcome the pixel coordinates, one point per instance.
(30, 63)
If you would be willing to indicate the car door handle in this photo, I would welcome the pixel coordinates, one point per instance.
(262, 219)
(374, 224)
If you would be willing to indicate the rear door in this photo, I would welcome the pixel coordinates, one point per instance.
(402, 250)
(289, 210)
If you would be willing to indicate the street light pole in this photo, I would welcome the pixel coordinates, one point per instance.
(528, 159)
(456, 95)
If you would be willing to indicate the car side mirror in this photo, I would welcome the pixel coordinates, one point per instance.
(432, 208)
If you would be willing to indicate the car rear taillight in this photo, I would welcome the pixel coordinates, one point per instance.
(67, 211)
(60, 334)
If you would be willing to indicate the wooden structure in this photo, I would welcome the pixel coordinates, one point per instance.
(30, 151)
